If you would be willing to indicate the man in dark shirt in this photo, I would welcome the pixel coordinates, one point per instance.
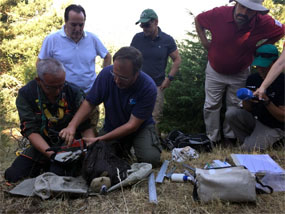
(260, 123)
(129, 96)
(155, 47)
(46, 105)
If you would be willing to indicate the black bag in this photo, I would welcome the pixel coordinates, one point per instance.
(101, 160)
(177, 139)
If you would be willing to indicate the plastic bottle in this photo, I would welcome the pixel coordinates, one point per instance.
(179, 177)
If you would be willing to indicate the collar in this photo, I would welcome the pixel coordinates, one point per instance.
(158, 34)
(63, 34)
(230, 18)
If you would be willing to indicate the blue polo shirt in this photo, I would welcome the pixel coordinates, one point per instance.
(155, 53)
(138, 99)
(78, 59)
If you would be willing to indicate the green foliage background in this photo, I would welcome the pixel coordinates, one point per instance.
(25, 23)
(23, 26)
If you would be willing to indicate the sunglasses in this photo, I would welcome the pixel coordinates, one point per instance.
(145, 25)
(265, 55)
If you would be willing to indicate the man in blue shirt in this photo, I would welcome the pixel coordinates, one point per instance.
(155, 47)
(129, 96)
(77, 50)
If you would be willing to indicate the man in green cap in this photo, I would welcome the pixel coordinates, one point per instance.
(155, 47)
(260, 123)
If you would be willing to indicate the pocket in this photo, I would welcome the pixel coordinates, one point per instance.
(155, 139)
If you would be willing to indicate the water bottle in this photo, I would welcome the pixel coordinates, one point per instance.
(179, 177)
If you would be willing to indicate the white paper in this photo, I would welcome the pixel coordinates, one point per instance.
(257, 163)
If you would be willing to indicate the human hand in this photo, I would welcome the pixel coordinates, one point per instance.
(165, 84)
(90, 140)
(68, 134)
(260, 93)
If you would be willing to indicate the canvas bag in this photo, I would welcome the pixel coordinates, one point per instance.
(235, 184)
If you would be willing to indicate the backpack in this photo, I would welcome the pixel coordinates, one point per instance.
(177, 139)
(100, 160)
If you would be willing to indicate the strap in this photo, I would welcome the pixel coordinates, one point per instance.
(262, 188)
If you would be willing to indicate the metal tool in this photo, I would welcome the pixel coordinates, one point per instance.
(162, 171)
(189, 167)
(152, 189)
(168, 175)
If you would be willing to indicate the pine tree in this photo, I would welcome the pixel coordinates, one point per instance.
(23, 26)
(184, 99)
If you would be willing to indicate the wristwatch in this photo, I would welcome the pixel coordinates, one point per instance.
(170, 77)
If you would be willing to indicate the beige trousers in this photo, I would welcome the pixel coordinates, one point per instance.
(158, 108)
(216, 85)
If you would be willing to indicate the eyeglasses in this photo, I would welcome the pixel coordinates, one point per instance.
(145, 25)
(52, 88)
(125, 79)
(266, 55)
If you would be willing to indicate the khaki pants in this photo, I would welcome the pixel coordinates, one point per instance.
(145, 142)
(253, 134)
(158, 108)
(94, 118)
(216, 85)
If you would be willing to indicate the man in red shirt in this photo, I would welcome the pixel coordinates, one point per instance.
(236, 32)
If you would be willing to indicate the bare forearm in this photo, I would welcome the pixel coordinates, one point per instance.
(88, 133)
(175, 66)
(128, 128)
(107, 60)
(40, 144)
(247, 105)
(119, 132)
(278, 112)
(277, 68)
(202, 34)
(82, 114)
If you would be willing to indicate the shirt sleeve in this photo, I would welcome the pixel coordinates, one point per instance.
(46, 49)
(270, 28)
(99, 47)
(99, 89)
(29, 119)
(145, 104)
(208, 18)
(172, 45)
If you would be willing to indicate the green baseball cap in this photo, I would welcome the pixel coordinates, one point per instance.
(265, 55)
(146, 16)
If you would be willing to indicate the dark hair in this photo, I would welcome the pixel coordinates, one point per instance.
(74, 7)
(132, 54)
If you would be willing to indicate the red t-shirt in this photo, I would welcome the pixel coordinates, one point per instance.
(232, 50)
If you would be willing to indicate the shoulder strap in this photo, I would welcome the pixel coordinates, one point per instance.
(262, 188)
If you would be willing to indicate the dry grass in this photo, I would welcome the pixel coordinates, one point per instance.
(172, 197)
